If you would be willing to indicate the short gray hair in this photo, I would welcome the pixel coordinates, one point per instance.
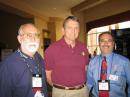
(109, 33)
(74, 18)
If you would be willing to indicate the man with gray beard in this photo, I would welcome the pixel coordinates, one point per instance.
(22, 73)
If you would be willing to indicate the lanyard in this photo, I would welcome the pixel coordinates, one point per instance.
(100, 62)
(24, 57)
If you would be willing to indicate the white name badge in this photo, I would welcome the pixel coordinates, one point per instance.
(39, 94)
(113, 77)
(36, 81)
(103, 85)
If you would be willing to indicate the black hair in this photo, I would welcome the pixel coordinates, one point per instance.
(109, 33)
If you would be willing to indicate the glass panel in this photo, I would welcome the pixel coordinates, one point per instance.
(103, 29)
(113, 26)
(92, 31)
(124, 25)
(92, 39)
(97, 38)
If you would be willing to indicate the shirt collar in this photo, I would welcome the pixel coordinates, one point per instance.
(108, 56)
(65, 44)
(25, 55)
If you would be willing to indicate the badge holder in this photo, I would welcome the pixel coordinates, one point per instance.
(103, 85)
(37, 85)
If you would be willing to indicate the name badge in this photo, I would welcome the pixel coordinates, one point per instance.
(113, 77)
(36, 80)
(39, 94)
(103, 85)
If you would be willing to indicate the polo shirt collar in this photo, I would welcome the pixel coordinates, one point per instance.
(65, 44)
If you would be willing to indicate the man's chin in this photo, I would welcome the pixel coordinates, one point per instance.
(32, 52)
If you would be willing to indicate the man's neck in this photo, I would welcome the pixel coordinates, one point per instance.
(70, 42)
(27, 53)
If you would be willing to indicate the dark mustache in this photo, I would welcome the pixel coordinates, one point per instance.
(105, 46)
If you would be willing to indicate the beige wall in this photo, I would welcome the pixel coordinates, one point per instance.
(82, 33)
(55, 26)
(59, 33)
(41, 24)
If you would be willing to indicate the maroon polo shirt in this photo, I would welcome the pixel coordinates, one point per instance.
(67, 63)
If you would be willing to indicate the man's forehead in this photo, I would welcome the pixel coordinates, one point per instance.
(30, 29)
(106, 36)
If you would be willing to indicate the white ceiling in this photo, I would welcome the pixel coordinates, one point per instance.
(53, 8)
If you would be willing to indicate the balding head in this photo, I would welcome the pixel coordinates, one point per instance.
(25, 27)
(29, 38)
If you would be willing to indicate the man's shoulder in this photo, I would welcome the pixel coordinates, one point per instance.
(11, 58)
(120, 57)
(57, 43)
(95, 58)
(81, 43)
(11, 61)
(54, 45)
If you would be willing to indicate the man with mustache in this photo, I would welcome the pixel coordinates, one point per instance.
(22, 74)
(108, 73)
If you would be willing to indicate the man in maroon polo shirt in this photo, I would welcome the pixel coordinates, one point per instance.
(65, 62)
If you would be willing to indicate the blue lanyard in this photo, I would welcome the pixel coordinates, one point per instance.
(29, 67)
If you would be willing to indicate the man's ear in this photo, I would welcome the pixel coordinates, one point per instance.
(19, 38)
(63, 30)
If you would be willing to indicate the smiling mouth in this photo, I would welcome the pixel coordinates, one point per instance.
(105, 46)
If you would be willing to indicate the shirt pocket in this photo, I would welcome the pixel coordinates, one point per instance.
(119, 83)
(119, 72)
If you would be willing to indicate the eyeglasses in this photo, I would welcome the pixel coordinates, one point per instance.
(31, 35)
(103, 41)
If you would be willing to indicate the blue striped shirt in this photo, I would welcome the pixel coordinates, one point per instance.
(118, 72)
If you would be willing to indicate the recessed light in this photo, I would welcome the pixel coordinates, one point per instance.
(54, 8)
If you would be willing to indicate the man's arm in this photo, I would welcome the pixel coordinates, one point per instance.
(5, 82)
(90, 81)
(48, 75)
(127, 70)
